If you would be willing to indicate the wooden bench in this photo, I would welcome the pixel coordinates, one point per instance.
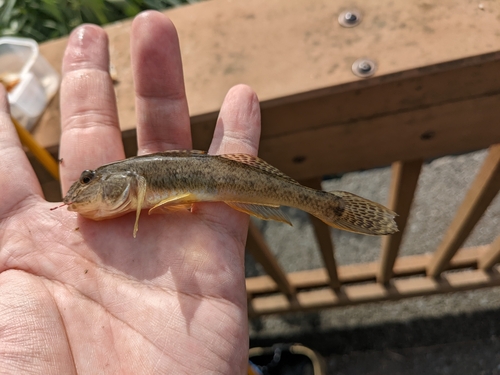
(435, 92)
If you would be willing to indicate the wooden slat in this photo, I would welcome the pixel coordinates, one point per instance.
(490, 257)
(323, 236)
(403, 184)
(376, 292)
(250, 309)
(378, 141)
(257, 246)
(363, 272)
(482, 191)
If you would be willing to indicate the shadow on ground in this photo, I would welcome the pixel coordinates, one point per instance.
(455, 344)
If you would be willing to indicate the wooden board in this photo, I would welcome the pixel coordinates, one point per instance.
(483, 190)
(375, 292)
(298, 59)
(404, 181)
(412, 265)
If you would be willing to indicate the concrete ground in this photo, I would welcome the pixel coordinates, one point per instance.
(456, 333)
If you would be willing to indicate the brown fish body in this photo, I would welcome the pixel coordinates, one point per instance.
(174, 180)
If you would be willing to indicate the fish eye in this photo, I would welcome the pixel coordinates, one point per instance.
(87, 176)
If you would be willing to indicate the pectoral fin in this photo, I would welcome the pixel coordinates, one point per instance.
(260, 211)
(141, 193)
(173, 203)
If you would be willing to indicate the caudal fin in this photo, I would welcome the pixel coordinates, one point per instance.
(361, 215)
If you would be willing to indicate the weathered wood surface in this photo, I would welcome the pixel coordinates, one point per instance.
(479, 196)
(403, 185)
(376, 292)
(313, 292)
(433, 93)
(413, 265)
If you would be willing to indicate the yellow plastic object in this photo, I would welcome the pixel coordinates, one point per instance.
(252, 370)
(41, 154)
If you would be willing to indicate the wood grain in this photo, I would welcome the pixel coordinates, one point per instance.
(482, 191)
(376, 292)
(413, 265)
(403, 185)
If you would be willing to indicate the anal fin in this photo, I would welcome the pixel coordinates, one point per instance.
(261, 211)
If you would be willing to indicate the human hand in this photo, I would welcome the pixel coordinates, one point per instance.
(85, 297)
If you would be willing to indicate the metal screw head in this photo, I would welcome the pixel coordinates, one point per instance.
(350, 18)
(364, 67)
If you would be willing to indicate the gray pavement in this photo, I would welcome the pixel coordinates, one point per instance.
(457, 333)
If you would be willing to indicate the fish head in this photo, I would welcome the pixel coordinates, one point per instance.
(101, 195)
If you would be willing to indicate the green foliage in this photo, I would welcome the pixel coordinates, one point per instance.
(48, 19)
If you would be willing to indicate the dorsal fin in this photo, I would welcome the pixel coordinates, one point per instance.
(258, 163)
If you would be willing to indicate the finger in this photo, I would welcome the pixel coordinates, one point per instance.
(237, 131)
(161, 105)
(238, 126)
(90, 132)
(17, 178)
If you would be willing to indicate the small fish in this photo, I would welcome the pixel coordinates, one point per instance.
(174, 180)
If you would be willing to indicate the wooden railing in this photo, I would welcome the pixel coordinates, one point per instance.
(334, 286)
(435, 92)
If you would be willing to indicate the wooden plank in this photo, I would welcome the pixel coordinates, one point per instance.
(371, 142)
(435, 85)
(490, 257)
(257, 246)
(324, 239)
(403, 185)
(364, 272)
(240, 45)
(376, 292)
(250, 309)
(277, 58)
(453, 127)
(482, 191)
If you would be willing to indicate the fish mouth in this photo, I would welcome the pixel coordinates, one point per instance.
(100, 210)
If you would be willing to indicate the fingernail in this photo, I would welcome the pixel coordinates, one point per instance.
(86, 45)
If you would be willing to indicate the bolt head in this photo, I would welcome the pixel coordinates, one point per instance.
(364, 67)
(349, 18)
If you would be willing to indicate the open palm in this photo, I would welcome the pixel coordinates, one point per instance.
(85, 297)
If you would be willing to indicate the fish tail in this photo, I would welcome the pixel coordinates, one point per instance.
(360, 215)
